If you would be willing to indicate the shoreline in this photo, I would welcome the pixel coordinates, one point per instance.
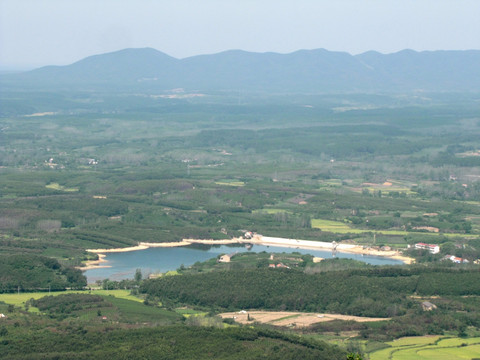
(256, 240)
(94, 264)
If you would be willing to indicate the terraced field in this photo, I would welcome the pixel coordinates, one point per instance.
(430, 347)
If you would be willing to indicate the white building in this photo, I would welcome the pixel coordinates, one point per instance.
(433, 248)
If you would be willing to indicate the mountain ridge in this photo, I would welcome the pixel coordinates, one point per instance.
(308, 71)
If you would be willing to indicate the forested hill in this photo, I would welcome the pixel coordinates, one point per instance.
(376, 292)
(304, 71)
(33, 272)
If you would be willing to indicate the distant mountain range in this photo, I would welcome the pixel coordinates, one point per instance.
(304, 71)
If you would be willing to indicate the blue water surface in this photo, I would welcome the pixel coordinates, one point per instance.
(154, 260)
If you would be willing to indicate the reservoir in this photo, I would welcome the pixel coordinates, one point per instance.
(157, 259)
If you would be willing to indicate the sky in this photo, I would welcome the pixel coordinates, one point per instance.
(35, 33)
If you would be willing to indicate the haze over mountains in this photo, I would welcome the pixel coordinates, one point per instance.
(304, 71)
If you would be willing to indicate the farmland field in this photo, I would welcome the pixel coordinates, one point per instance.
(291, 319)
(430, 347)
(344, 228)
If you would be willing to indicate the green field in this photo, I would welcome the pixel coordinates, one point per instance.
(186, 312)
(429, 347)
(344, 228)
(270, 211)
(20, 299)
(57, 186)
(230, 183)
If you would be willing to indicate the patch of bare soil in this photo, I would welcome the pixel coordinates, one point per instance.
(292, 319)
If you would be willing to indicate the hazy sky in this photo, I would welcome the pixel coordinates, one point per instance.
(44, 32)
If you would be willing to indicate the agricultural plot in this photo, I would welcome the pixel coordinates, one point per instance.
(57, 186)
(291, 319)
(187, 312)
(429, 347)
(390, 187)
(229, 182)
(338, 227)
(270, 211)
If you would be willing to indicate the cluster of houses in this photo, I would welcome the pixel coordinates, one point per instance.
(435, 249)
(248, 234)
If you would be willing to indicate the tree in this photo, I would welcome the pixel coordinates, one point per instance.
(138, 275)
(353, 356)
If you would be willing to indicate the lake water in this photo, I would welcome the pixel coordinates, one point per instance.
(154, 260)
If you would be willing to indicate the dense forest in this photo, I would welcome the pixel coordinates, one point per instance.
(33, 273)
(364, 292)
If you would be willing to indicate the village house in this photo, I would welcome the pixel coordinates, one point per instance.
(456, 260)
(248, 235)
(428, 306)
(226, 258)
(433, 248)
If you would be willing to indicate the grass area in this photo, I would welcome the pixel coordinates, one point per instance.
(121, 294)
(186, 312)
(285, 317)
(171, 273)
(270, 211)
(230, 183)
(389, 189)
(332, 182)
(134, 312)
(57, 186)
(126, 308)
(429, 347)
(339, 227)
(416, 340)
(20, 299)
(332, 226)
